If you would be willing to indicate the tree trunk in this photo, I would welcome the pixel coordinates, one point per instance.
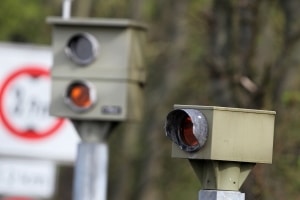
(169, 62)
(83, 8)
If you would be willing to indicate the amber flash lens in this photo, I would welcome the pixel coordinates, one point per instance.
(79, 96)
(187, 134)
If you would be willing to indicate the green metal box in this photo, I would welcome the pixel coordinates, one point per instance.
(116, 73)
(234, 134)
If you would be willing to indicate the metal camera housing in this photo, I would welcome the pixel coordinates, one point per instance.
(234, 134)
(227, 142)
(108, 54)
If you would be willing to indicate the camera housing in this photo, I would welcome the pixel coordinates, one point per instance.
(108, 54)
(233, 134)
(222, 144)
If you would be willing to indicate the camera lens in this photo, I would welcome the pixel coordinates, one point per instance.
(82, 48)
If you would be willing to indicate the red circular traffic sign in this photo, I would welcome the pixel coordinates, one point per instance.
(33, 71)
(16, 198)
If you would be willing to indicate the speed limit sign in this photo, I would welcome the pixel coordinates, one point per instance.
(26, 128)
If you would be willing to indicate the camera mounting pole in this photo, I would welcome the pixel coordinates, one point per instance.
(220, 195)
(66, 9)
(220, 179)
(92, 160)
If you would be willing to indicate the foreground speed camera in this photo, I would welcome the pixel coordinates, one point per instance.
(98, 69)
(221, 133)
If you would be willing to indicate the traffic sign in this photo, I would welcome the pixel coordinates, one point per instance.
(16, 198)
(26, 128)
(30, 178)
(21, 105)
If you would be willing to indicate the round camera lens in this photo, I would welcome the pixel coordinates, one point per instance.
(188, 128)
(82, 48)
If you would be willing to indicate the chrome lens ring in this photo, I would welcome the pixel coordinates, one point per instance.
(200, 125)
(173, 128)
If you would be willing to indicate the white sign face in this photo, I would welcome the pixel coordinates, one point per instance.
(27, 178)
(26, 128)
(24, 104)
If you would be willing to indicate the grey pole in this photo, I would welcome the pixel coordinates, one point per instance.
(220, 195)
(90, 181)
(66, 9)
(91, 172)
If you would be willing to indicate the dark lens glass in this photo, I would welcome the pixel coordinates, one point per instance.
(81, 49)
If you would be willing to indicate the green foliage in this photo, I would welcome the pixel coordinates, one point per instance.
(180, 181)
(24, 21)
(291, 97)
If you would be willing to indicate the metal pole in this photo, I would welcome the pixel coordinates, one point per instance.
(220, 195)
(92, 160)
(66, 9)
(91, 172)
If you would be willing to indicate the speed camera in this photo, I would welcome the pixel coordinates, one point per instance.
(98, 68)
(222, 144)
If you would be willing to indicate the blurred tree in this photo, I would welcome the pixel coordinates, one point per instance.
(252, 51)
(24, 21)
(83, 8)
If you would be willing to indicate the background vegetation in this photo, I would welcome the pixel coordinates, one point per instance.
(240, 53)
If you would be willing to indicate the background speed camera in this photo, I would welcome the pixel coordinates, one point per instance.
(219, 133)
(98, 68)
